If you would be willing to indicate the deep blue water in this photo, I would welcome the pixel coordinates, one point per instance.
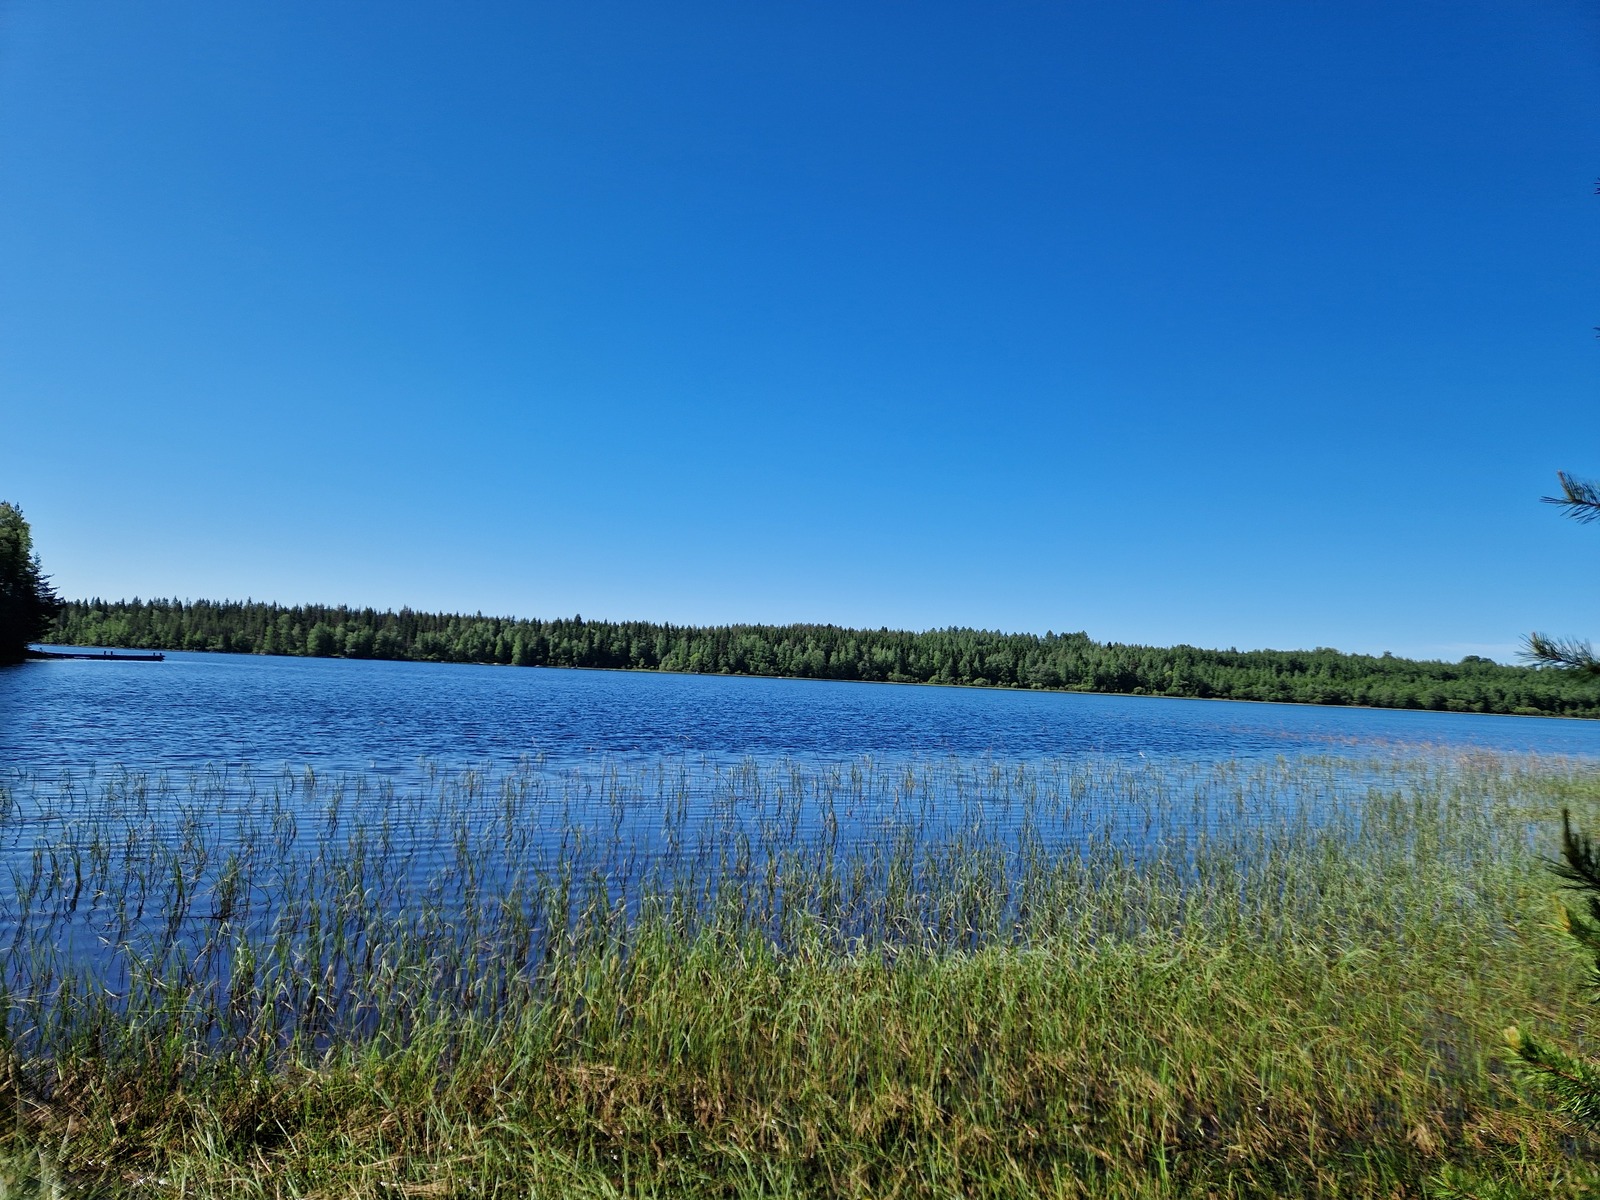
(384, 718)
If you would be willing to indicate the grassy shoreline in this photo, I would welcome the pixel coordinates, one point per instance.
(1077, 980)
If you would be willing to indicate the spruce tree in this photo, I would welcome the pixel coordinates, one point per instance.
(27, 601)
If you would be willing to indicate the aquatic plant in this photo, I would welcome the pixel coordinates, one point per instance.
(949, 978)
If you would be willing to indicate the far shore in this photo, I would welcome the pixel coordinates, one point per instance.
(913, 683)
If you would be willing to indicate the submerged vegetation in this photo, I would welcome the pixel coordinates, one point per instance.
(952, 979)
(1071, 661)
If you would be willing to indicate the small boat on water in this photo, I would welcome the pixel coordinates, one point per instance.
(100, 655)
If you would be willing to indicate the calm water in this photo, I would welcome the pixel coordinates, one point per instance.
(385, 718)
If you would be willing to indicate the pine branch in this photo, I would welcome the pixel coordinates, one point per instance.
(1580, 859)
(1585, 933)
(1561, 652)
(1572, 1083)
(1579, 498)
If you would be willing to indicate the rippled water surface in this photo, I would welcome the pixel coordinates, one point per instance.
(168, 817)
(385, 718)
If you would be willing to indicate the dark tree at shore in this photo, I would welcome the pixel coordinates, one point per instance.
(27, 602)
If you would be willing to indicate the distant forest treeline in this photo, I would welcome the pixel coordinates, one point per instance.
(1071, 661)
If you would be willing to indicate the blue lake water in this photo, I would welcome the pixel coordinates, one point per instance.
(385, 718)
(150, 812)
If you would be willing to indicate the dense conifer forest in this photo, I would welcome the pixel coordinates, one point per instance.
(1071, 661)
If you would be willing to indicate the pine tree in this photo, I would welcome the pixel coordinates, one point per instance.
(1572, 1083)
(27, 601)
(1580, 499)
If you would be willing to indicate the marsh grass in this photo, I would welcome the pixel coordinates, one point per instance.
(950, 979)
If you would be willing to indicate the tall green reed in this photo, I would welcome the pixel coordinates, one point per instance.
(230, 913)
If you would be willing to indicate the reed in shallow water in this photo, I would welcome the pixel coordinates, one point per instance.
(929, 979)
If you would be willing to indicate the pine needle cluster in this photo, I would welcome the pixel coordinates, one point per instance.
(1570, 1081)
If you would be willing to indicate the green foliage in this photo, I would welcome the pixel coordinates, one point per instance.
(321, 641)
(973, 657)
(1570, 1081)
(27, 602)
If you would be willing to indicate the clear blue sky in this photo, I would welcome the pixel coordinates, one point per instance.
(1232, 324)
